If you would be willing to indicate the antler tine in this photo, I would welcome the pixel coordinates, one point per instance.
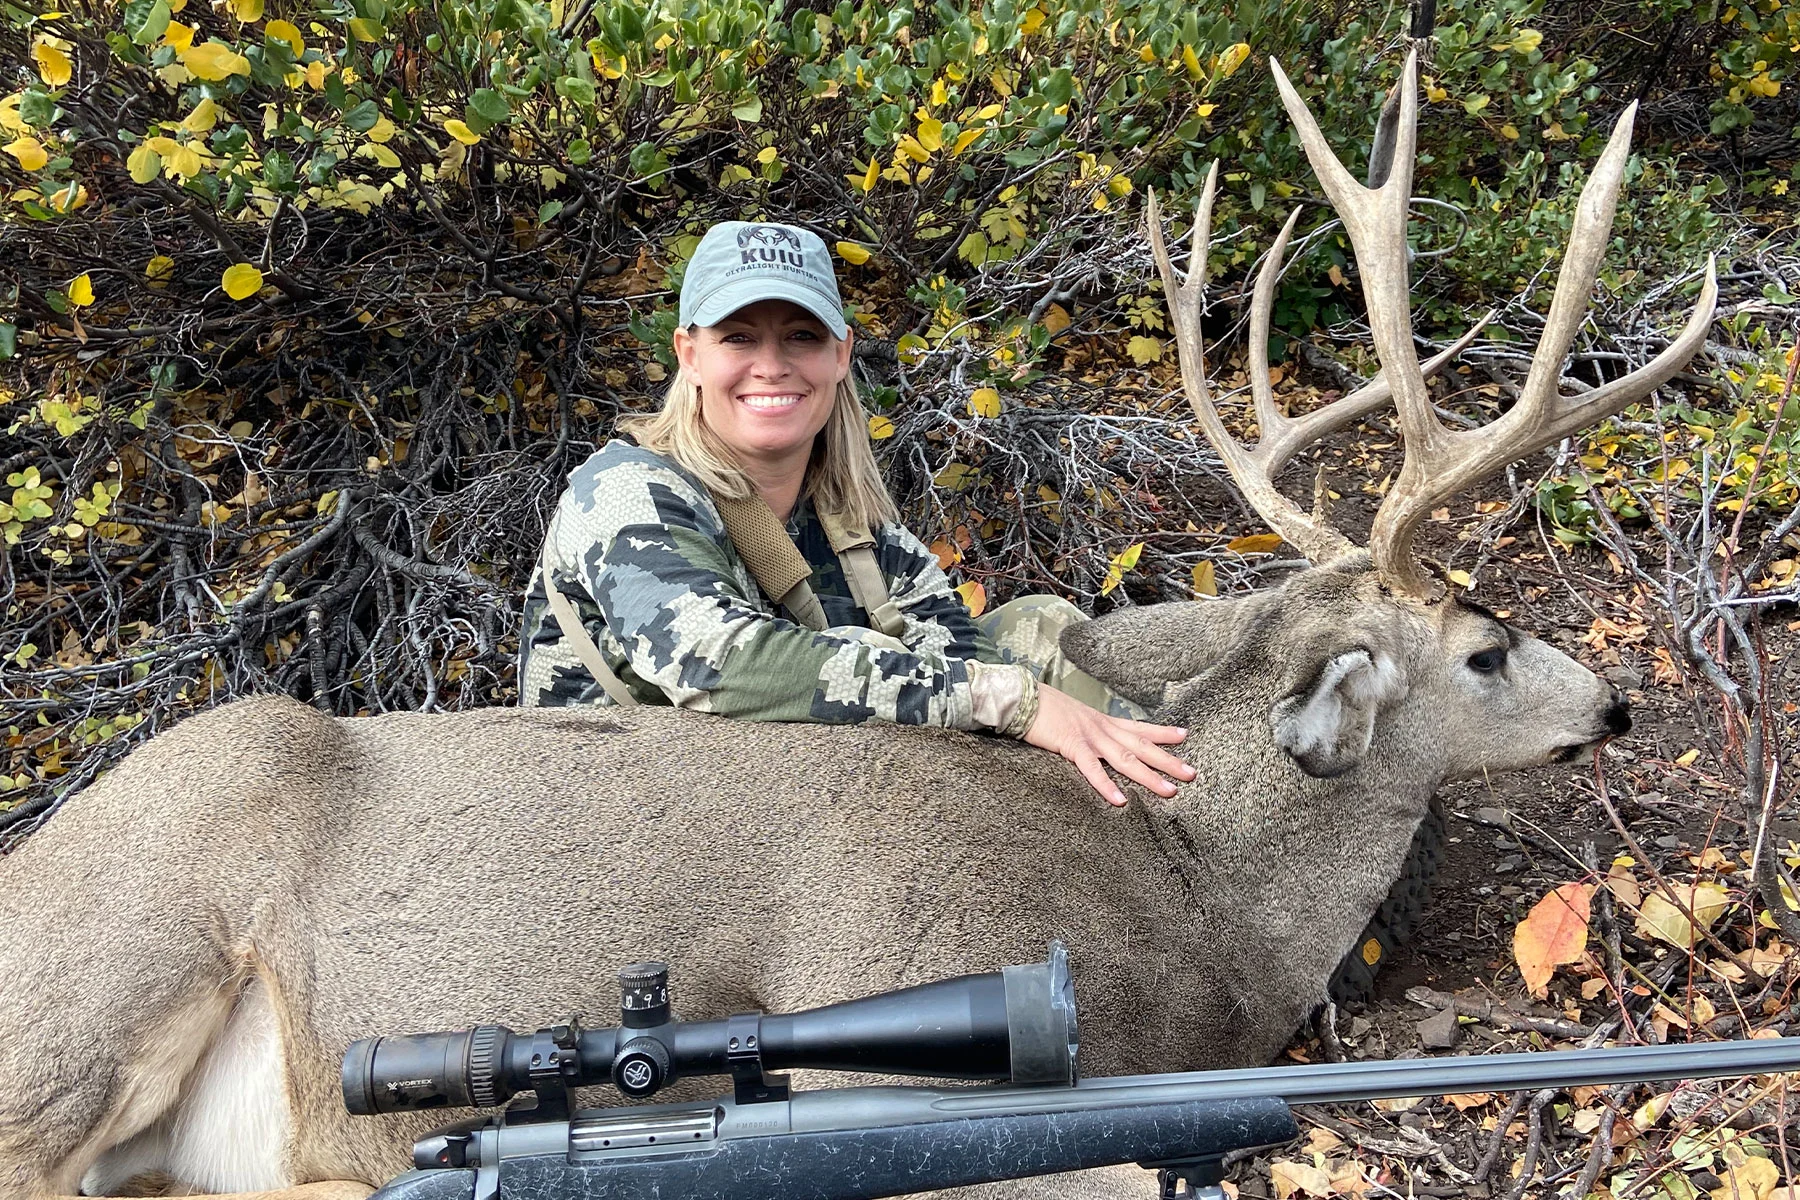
(1440, 462)
(1308, 534)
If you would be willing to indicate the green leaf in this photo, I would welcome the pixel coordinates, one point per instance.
(749, 111)
(146, 20)
(576, 89)
(547, 211)
(9, 340)
(362, 118)
(580, 152)
(490, 104)
(37, 108)
(647, 159)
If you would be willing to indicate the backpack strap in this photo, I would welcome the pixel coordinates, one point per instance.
(855, 547)
(776, 564)
(569, 621)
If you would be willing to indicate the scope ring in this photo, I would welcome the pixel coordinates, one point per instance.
(484, 1049)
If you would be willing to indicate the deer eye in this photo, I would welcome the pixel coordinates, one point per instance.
(1486, 662)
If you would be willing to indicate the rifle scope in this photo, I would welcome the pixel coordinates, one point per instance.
(1016, 1024)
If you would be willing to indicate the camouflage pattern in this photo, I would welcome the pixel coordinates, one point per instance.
(641, 552)
(1028, 631)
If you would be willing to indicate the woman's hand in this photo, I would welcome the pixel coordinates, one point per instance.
(1088, 738)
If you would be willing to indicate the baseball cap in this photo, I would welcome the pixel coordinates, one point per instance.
(741, 262)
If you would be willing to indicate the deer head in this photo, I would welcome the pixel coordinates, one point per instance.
(1366, 645)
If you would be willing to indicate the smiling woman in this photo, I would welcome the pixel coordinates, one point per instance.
(737, 552)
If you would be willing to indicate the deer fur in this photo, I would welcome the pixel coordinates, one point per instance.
(195, 939)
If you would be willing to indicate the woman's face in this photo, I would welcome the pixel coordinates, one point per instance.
(768, 376)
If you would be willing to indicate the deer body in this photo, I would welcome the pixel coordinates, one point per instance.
(273, 883)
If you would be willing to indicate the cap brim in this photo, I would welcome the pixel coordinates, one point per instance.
(738, 293)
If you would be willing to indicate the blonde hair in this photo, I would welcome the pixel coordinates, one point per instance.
(841, 476)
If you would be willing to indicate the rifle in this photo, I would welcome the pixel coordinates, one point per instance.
(765, 1142)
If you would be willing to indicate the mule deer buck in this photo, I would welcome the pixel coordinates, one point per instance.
(192, 943)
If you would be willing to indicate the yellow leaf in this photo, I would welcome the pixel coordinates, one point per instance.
(965, 138)
(911, 348)
(81, 291)
(1122, 562)
(1206, 579)
(1032, 22)
(1753, 1179)
(29, 151)
(1510, 132)
(365, 30)
(1056, 319)
(1144, 350)
(1663, 921)
(1119, 185)
(1191, 61)
(984, 402)
(956, 476)
(381, 154)
(1255, 543)
(381, 131)
(9, 113)
(866, 181)
(880, 429)
(461, 132)
(1460, 578)
(1205, 110)
(767, 155)
(241, 281)
(1552, 934)
(203, 118)
(159, 270)
(931, 133)
(1527, 41)
(974, 597)
(852, 253)
(144, 164)
(287, 32)
(939, 93)
(1688, 758)
(181, 160)
(52, 63)
(214, 61)
(1232, 59)
(911, 147)
(247, 10)
(315, 74)
(989, 111)
(178, 36)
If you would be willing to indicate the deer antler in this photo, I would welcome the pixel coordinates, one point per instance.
(1441, 461)
(1253, 469)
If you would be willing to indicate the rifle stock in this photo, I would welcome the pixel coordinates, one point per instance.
(868, 1142)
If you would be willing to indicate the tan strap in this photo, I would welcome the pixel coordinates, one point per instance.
(776, 564)
(569, 621)
(855, 547)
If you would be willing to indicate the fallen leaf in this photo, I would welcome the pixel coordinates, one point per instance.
(1292, 1177)
(1351, 1180)
(1397, 1103)
(1464, 1101)
(1592, 987)
(1585, 1121)
(880, 428)
(1121, 562)
(974, 597)
(1320, 1140)
(1255, 543)
(1554, 933)
(1650, 1111)
(1206, 580)
(1753, 1179)
(1663, 921)
(852, 253)
(1056, 319)
(241, 281)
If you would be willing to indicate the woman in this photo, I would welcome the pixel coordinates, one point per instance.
(654, 601)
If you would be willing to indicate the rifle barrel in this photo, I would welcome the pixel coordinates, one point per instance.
(1332, 1082)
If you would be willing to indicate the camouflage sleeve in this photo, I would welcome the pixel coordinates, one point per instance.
(936, 621)
(650, 549)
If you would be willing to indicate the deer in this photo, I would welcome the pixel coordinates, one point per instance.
(195, 939)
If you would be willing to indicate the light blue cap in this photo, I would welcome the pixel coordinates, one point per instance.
(741, 262)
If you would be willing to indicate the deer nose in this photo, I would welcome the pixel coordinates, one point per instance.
(1618, 716)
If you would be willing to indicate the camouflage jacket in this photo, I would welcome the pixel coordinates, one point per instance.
(641, 552)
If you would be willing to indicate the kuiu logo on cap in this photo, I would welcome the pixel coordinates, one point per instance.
(767, 243)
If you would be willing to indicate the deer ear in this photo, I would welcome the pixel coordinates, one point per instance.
(1137, 652)
(1327, 724)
